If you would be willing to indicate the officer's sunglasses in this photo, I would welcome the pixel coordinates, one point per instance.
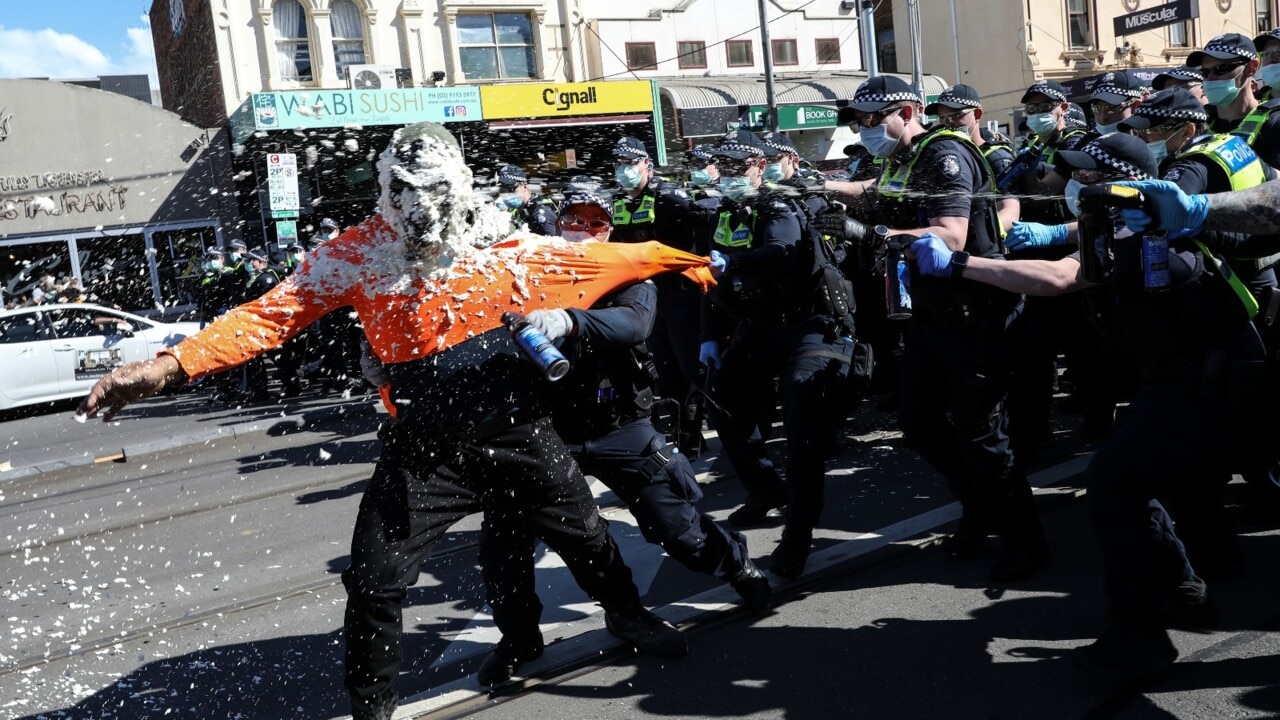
(1269, 56)
(1223, 70)
(730, 166)
(1100, 107)
(620, 161)
(873, 119)
(575, 223)
(1043, 107)
(953, 118)
(1166, 129)
(1093, 177)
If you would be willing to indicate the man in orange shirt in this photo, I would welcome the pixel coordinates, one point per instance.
(430, 285)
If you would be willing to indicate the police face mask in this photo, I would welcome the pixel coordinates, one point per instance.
(510, 201)
(734, 187)
(1159, 150)
(213, 265)
(1072, 191)
(1221, 92)
(628, 176)
(773, 172)
(297, 257)
(1106, 128)
(235, 257)
(701, 178)
(1270, 75)
(877, 141)
(1042, 124)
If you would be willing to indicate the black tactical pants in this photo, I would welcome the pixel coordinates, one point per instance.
(421, 486)
(657, 485)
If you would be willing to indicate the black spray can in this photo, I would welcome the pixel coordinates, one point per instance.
(1097, 240)
(1155, 262)
(897, 277)
(537, 347)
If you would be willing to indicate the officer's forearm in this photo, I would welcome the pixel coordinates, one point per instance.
(1255, 211)
(1026, 277)
(1009, 210)
(848, 189)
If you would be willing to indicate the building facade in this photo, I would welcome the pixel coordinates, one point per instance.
(1002, 46)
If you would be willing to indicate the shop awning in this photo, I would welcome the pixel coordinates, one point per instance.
(572, 121)
(704, 105)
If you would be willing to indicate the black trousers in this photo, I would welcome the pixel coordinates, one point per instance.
(744, 389)
(658, 486)
(674, 340)
(421, 486)
(955, 377)
(817, 395)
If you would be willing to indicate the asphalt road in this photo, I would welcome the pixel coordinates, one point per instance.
(202, 582)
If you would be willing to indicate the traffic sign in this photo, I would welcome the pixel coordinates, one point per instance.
(282, 182)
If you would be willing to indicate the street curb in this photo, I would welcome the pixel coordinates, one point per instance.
(299, 420)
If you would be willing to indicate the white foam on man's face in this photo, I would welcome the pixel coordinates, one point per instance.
(429, 199)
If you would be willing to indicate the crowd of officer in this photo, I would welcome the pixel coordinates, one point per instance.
(966, 277)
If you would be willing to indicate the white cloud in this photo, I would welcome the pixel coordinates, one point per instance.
(52, 54)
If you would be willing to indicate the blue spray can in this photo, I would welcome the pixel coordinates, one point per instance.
(1155, 262)
(897, 279)
(537, 347)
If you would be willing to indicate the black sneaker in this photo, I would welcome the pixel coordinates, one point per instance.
(788, 559)
(755, 511)
(381, 707)
(504, 661)
(1127, 649)
(753, 586)
(647, 632)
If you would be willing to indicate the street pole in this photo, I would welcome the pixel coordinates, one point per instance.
(955, 39)
(772, 121)
(868, 31)
(913, 26)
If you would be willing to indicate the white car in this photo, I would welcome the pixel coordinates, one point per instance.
(57, 352)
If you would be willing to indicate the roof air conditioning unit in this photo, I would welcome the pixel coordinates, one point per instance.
(371, 77)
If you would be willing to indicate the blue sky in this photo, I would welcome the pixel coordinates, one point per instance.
(65, 39)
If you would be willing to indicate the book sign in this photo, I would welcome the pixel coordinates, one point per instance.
(282, 181)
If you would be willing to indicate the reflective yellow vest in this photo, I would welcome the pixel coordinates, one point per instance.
(1232, 154)
(643, 214)
(728, 236)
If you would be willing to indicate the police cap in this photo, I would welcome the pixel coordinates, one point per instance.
(1123, 153)
(1174, 104)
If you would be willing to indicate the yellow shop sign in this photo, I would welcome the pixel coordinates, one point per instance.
(538, 100)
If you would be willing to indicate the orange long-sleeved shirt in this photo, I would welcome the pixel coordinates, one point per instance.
(410, 313)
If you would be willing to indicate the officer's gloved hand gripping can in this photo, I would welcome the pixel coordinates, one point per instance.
(1101, 224)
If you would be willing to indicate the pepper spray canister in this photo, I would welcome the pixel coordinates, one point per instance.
(1097, 247)
(897, 281)
(537, 347)
(1155, 262)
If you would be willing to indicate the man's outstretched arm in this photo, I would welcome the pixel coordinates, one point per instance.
(131, 382)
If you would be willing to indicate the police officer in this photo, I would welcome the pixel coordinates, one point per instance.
(213, 293)
(262, 277)
(1187, 78)
(235, 261)
(1113, 99)
(956, 359)
(538, 213)
(1268, 46)
(647, 207)
(702, 170)
(602, 410)
(328, 230)
(1195, 345)
(745, 317)
(1229, 64)
(959, 107)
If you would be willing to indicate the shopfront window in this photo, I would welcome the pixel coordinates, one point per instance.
(496, 46)
(24, 267)
(348, 36)
(293, 45)
(179, 254)
(114, 271)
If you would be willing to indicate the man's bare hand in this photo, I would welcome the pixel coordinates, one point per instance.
(129, 383)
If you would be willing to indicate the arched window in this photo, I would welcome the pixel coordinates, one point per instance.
(293, 47)
(348, 36)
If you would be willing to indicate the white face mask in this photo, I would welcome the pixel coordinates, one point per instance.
(1042, 124)
(1159, 150)
(877, 141)
(1107, 128)
(1270, 75)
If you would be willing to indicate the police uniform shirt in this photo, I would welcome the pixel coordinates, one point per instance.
(669, 224)
(999, 158)
(948, 174)
(1266, 146)
(540, 216)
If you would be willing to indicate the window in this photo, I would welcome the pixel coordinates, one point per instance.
(114, 271)
(293, 48)
(740, 53)
(1079, 25)
(348, 36)
(693, 54)
(22, 328)
(827, 50)
(1263, 8)
(1180, 34)
(642, 56)
(496, 45)
(784, 52)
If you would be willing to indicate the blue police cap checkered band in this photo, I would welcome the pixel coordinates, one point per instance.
(733, 146)
(779, 143)
(1042, 87)
(1165, 113)
(1230, 48)
(1111, 84)
(870, 96)
(1113, 162)
(958, 100)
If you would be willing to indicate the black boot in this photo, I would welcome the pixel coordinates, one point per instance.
(1128, 648)
(753, 586)
(647, 632)
(505, 660)
(967, 540)
(379, 707)
(788, 559)
(755, 511)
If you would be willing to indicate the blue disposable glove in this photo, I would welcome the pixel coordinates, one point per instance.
(1175, 210)
(709, 354)
(719, 263)
(932, 255)
(555, 324)
(1025, 235)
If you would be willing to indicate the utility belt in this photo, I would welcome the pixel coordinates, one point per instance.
(968, 306)
(1268, 305)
